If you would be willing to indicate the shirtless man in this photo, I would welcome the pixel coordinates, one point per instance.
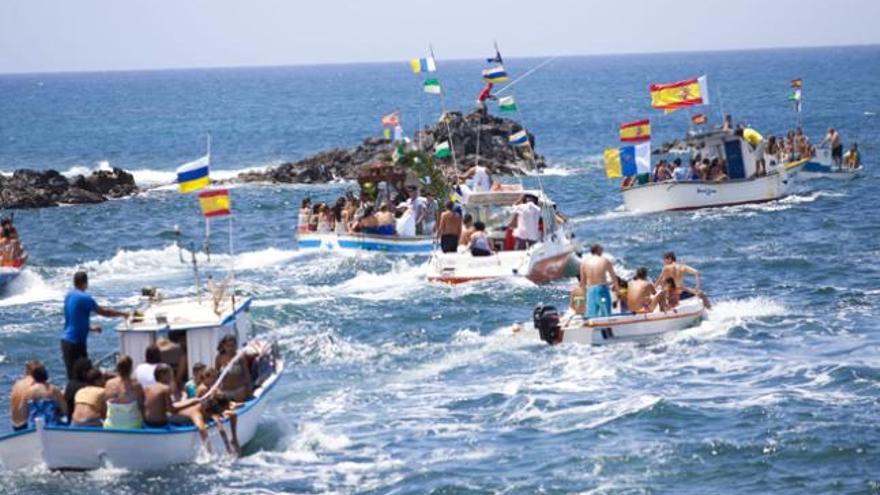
(676, 271)
(595, 272)
(18, 414)
(467, 231)
(159, 408)
(449, 229)
(640, 296)
(833, 138)
(42, 399)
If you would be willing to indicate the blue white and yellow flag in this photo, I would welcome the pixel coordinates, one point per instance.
(627, 161)
(193, 176)
(422, 65)
(519, 138)
(495, 74)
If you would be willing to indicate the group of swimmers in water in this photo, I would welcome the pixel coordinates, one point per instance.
(597, 280)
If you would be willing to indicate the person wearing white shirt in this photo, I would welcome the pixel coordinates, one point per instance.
(144, 372)
(527, 217)
(480, 177)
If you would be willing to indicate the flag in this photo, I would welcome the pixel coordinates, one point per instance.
(391, 120)
(698, 119)
(386, 133)
(432, 86)
(519, 138)
(398, 133)
(796, 98)
(193, 176)
(442, 150)
(628, 160)
(682, 94)
(797, 83)
(397, 154)
(635, 132)
(422, 65)
(215, 203)
(507, 104)
(495, 74)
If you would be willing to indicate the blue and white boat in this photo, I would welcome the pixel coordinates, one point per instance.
(8, 274)
(204, 321)
(822, 165)
(353, 242)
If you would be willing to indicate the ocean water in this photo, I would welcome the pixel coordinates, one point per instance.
(395, 385)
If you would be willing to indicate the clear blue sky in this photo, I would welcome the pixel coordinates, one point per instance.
(65, 35)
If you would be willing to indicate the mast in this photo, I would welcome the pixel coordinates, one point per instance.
(443, 114)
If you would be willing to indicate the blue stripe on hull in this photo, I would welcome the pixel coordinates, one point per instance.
(371, 244)
(817, 168)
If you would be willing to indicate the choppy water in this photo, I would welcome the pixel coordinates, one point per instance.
(397, 385)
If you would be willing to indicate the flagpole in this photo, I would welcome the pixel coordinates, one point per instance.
(443, 114)
(231, 263)
(527, 74)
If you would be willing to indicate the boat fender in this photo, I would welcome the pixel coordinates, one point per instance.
(546, 320)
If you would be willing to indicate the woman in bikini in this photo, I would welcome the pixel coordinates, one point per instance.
(125, 398)
(89, 404)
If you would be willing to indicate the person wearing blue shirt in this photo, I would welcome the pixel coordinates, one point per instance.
(78, 309)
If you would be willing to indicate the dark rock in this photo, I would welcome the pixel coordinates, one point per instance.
(41, 188)
(475, 138)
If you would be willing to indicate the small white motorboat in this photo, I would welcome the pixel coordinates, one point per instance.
(571, 327)
(744, 185)
(352, 242)
(822, 165)
(544, 261)
(203, 321)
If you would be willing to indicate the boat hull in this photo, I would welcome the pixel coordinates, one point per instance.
(541, 263)
(822, 165)
(366, 242)
(7, 275)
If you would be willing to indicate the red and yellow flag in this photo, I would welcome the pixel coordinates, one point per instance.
(635, 132)
(797, 83)
(698, 119)
(681, 94)
(215, 203)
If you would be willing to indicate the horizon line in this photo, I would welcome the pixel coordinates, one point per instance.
(382, 62)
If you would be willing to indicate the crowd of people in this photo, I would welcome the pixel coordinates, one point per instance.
(158, 393)
(11, 251)
(597, 281)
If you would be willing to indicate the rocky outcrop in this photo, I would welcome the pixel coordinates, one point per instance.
(40, 188)
(475, 137)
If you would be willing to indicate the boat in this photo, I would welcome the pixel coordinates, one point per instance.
(744, 185)
(546, 260)
(203, 321)
(822, 165)
(621, 327)
(353, 242)
(8, 273)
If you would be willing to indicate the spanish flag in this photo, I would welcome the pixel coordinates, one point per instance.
(698, 119)
(797, 83)
(215, 203)
(635, 132)
(682, 94)
(193, 176)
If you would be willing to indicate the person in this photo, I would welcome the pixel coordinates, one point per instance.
(680, 173)
(482, 178)
(43, 400)
(17, 407)
(485, 94)
(325, 219)
(595, 271)
(640, 296)
(124, 397)
(479, 243)
(78, 308)
(431, 208)
(305, 215)
(160, 410)
(852, 159)
(367, 224)
(670, 297)
(192, 386)
(621, 293)
(833, 138)
(90, 407)
(467, 231)
(385, 221)
(449, 229)
(145, 372)
(236, 384)
(728, 123)
(81, 368)
(525, 222)
(751, 136)
(315, 217)
(339, 224)
(172, 351)
(11, 252)
(577, 298)
(663, 172)
(417, 207)
(703, 169)
(675, 270)
(217, 407)
(716, 171)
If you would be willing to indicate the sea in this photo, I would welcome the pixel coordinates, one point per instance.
(397, 385)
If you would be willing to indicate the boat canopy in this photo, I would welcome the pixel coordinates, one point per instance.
(506, 197)
(740, 156)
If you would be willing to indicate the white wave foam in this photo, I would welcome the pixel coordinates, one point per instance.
(27, 288)
(399, 283)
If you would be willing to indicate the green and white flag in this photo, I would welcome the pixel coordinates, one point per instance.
(432, 86)
(442, 150)
(397, 154)
(507, 104)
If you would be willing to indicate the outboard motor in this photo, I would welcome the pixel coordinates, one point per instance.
(546, 320)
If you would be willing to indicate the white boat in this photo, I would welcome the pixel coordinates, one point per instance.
(8, 274)
(743, 186)
(204, 323)
(546, 260)
(822, 165)
(615, 328)
(392, 244)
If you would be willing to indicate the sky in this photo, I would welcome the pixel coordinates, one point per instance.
(88, 35)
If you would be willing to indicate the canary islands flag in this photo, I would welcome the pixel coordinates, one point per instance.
(495, 74)
(215, 203)
(628, 160)
(193, 176)
(681, 94)
(519, 138)
(422, 65)
(636, 132)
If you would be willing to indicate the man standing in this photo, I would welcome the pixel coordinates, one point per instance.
(417, 208)
(833, 138)
(431, 208)
(449, 229)
(481, 178)
(596, 271)
(525, 222)
(78, 309)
